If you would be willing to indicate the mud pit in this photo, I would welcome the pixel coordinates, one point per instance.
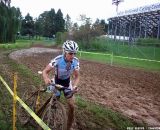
(134, 93)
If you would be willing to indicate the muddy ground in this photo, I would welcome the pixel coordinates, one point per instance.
(132, 92)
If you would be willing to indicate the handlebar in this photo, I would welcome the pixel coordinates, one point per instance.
(54, 87)
(57, 86)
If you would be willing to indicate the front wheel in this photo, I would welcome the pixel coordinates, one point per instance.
(55, 116)
(29, 100)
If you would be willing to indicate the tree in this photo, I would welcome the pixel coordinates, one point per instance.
(9, 22)
(52, 26)
(83, 33)
(27, 26)
(68, 23)
(45, 25)
(47, 22)
(88, 31)
(38, 28)
(98, 28)
(13, 23)
(59, 21)
(104, 25)
(43, 22)
(19, 18)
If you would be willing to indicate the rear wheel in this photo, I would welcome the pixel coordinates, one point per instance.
(55, 116)
(29, 99)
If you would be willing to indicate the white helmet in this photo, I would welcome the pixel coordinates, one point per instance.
(70, 46)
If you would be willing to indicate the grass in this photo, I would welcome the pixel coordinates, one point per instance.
(100, 57)
(6, 111)
(137, 63)
(104, 116)
(26, 77)
(18, 44)
(5, 123)
(144, 52)
(126, 49)
(121, 61)
(24, 71)
(26, 44)
(125, 54)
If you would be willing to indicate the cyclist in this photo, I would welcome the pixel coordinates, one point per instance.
(64, 66)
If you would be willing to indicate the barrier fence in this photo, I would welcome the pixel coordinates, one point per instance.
(15, 99)
(112, 57)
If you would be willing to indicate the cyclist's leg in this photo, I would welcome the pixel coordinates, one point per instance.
(71, 105)
(71, 108)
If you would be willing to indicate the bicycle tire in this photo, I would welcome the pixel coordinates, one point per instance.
(55, 116)
(30, 100)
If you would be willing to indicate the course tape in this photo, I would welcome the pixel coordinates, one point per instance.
(120, 56)
(38, 120)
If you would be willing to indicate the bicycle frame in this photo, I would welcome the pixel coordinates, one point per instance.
(40, 110)
(51, 105)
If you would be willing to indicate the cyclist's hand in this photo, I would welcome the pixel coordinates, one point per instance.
(47, 81)
(75, 89)
(52, 81)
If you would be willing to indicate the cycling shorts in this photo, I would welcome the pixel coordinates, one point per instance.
(67, 90)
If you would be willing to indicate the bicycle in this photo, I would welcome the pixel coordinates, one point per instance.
(52, 112)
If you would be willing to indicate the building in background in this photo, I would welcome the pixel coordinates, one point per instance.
(142, 22)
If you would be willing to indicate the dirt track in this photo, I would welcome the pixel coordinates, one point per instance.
(134, 93)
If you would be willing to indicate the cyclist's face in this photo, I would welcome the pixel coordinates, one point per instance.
(69, 56)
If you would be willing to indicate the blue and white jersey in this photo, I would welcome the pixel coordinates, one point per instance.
(64, 69)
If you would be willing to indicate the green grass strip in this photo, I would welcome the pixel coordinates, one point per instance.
(152, 65)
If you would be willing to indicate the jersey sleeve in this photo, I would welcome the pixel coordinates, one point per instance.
(53, 62)
(76, 66)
